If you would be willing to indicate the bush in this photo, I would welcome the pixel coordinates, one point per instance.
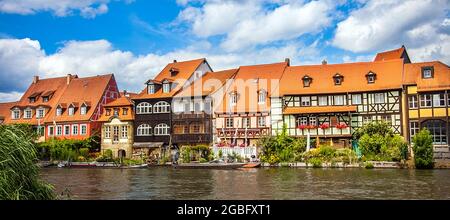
(368, 165)
(423, 149)
(68, 149)
(186, 154)
(19, 173)
(203, 160)
(316, 162)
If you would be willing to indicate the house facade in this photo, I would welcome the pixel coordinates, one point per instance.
(153, 106)
(192, 117)
(117, 127)
(76, 113)
(243, 116)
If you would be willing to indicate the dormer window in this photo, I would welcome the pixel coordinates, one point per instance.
(262, 94)
(45, 99)
(116, 111)
(233, 98)
(71, 110)
(15, 114)
(32, 100)
(174, 71)
(338, 78)
(58, 111)
(306, 81)
(166, 88)
(427, 72)
(151, 89)
(108, 112)
(371, 77)
(83, 110)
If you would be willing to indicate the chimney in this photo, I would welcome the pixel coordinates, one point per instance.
(174, 61)
(288, 61)
(69, 78)
(324, 62)
(125, 93)
(35, 79)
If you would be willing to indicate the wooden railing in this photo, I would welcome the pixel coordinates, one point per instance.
(191, 138)
(190, 116)
(242, 132)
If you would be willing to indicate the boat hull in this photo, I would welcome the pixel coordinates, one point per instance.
(208, 166)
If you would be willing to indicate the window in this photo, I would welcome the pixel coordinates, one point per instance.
(413, 129)
(261, 121)
(439, 100)
(412, 102)
(356, 99)
(40, 113)
(124, 111)
(229, 122)
(66, 130)
(306, 81)
(83, 110)
(108, 112)
(59, 130)
(427, 72)
(58, 111)
(339, 99)
(197, 107)
(115, 133)
(306, 101)
(195, 128)
(302, 121)
(27, 113)
(425, 100)
(16, 114)
(367, 119)
(338, 78)
(45, 99)
(144, 130)
(74, 129)
(161, 107)
(162, 129)
(371, 76)
(233, 98)
(143, 108)
(83, 129)
(323, 100)
(207, 106)
(71, 110)
(151, 89)
(438, 130)
(116, 111)
(32, 100)
(246, 122)
(262, 97)
(107, 132)
(51, 130)
(124, 132)
(313, 121)
(166, 88)
(379, 98)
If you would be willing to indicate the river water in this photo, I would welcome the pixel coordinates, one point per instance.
(262, 183)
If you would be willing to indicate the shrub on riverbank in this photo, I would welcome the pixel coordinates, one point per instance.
(68, 149)
(281, 148)
(423, 149)
(329, 154)
(19, 173)
(377, 142)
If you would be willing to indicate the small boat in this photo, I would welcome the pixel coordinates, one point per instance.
(252, 165)
(82, 164)
(137, 166)
(61, 165)
(208, 165)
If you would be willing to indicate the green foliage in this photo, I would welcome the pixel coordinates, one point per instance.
(316, 162)
(84, 152)
(19, 173)
(423, 149)
(380, 144)
(220, 154)
(203, 160)
(130, 162)
(235, 157)
(68, 149)
(369, 165)
(185, 154)
(281, 148)
(106, 156)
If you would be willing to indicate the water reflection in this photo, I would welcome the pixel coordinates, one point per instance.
(280, 183)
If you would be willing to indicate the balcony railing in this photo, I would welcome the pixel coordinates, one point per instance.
(191, 138)
(242, 132)
(190, 116)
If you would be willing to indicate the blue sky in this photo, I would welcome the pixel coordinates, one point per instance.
(134, 39)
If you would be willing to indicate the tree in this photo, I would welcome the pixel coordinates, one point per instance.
(423, 149)
(19, 173)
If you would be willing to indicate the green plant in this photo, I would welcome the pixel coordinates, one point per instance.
(19, 173)
(203, 160)
(316, 162)
(368, 165)
(220, 154)
(186, 154)
(423, 149)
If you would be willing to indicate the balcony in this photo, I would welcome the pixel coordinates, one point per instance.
(242, 132)
(191, 138)
(183, 116)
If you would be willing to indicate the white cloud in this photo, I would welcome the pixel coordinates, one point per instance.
(245, 24)
(61, 8)
(20, 59)
(10, 96)
(420, 25)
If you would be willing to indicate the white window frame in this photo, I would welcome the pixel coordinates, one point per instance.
(161, 129)
(124, 132)
(107, 132)
(75, 129)
(166, 87)
(27, 113)
(151, 89)
(83, 110)
(85, 129)
(144, 108)
(378, 98)
(426, 98)
(321, 99)
(161, 107)
(71, 110)
(338, 98)
(437, 98)
(427, 74)
(233, 99)
(413, 102)
(262, 95)
(40, 113)
(262, 121)
(66, 130)
(58, 111)
(356, 99)
(15, 114)
(59, 130)
(144, 130)
(229, 122)
(52, 129)
(305, 101)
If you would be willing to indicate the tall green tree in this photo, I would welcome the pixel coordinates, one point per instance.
(19, 173)
(423, 149)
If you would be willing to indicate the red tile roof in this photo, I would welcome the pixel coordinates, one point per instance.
(440, 80)
(390, 55)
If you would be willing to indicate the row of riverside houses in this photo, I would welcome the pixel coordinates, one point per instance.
(189, 104)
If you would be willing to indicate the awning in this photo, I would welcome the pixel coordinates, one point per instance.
(318, 109)
(148, 144)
